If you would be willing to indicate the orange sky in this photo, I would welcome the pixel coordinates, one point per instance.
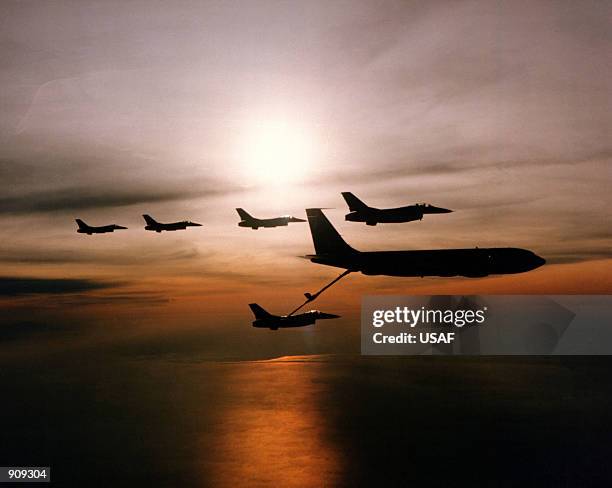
(190, 112)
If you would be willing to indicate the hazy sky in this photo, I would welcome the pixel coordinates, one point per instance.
(498, 110)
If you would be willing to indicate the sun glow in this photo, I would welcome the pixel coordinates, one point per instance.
(277, 152)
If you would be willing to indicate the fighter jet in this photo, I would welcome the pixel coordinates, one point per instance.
(89, 230)
(265, 320)
(253, 223)
(156, 226)
(360, 212)
(332, 250)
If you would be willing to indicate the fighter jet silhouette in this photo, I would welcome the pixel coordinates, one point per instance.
(156, 226)
(89, 230)
(360, 212)
(265, 320)
(332, 250)
(254, 223)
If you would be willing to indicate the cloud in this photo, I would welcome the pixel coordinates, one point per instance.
(79, 199)
(31, 295)
(28, 254)
(456, 160)
(128, 298)
(64, 177)
(17, 286)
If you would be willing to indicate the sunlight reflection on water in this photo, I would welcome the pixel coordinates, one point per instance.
(271, 429)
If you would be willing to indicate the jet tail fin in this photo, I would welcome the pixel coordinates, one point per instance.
(259, 312)
(244, 215)
(81, 224)
(149, 220)
(353, 202)
(325, 237)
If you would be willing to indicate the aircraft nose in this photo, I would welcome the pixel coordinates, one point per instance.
(432, 209)
(539, 261)
(323, 315)
(195, 224)
(295, 219)
(441, 210)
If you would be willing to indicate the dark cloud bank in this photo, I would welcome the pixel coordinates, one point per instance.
(16, 286)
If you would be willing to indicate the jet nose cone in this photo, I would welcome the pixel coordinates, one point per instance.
(195, 224)
(295, 219)
(323, 315)
(438, 210)
(539, 261)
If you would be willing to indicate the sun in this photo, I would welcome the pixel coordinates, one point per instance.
(277, 152)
